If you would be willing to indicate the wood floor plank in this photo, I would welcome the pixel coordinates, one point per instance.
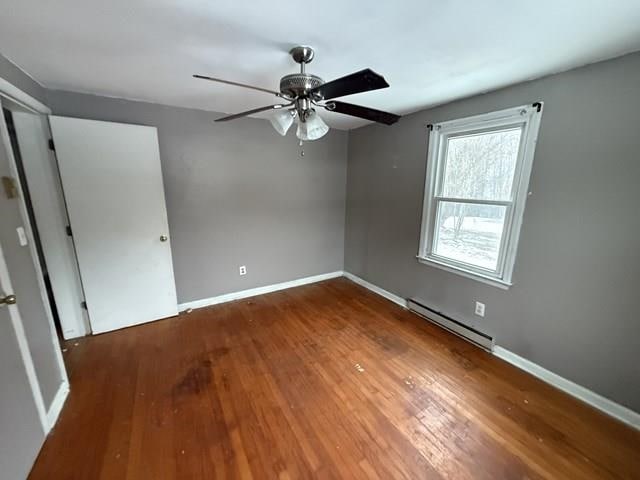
(325, 381)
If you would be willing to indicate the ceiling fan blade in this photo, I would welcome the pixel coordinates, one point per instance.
(228, 82)
(363, 112)
(362, 81)
(249, 112)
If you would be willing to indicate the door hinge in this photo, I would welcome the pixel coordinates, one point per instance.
(52, 145)
(83, 305)
(69, 232)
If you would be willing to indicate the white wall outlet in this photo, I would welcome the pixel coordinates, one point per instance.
(243, 270)
(480, 309)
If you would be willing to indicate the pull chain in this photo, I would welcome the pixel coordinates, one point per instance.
(301, 149)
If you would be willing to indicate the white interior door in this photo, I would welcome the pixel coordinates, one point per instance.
(112, 182)
(21, 430)
(45, 191)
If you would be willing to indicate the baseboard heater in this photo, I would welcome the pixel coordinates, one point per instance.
(454, 326)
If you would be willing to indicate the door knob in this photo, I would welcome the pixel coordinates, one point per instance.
(8, 300)
(163, 238)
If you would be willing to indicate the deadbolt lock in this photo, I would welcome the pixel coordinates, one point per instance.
(163, 238)
(8, 300)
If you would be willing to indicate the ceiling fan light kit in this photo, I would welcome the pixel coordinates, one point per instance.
(305, 92)
(282, 120)
(312, 128)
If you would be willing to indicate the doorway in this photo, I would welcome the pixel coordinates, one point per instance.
(11, 129)
(31, 365)
(39, 179)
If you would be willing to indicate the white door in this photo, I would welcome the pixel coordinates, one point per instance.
(45, 191)
(112, 182)
(21, 430)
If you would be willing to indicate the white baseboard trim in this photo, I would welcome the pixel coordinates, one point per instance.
(56, 405)
(603, 404)
(252, 292)
(374, 288)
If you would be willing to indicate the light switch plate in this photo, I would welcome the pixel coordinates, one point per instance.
(22, 237)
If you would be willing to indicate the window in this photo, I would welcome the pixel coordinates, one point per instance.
(477, 179)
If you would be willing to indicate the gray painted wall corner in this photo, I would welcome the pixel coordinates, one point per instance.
(19, 78)
(572, 307)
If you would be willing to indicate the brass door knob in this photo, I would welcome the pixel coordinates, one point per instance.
(8, 300)
(163, 238)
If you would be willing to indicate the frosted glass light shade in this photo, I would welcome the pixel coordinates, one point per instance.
(313, 128)
(281, 121)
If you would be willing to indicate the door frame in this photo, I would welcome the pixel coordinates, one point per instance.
(48, 416)
(47, 210)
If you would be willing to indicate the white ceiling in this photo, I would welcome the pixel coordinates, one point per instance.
(429, 51)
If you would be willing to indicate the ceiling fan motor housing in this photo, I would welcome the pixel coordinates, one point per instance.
(298, 84)
(303, 91)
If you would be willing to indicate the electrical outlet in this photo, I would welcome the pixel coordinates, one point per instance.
(243, 270)
(480, 309)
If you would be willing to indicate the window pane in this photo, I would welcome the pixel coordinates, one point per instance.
(469, 233)
(481, 166)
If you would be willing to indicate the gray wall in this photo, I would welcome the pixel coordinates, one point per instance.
(573, 308)
(18, 78)
(237, 194)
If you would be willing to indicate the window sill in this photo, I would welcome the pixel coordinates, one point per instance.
(494, 282)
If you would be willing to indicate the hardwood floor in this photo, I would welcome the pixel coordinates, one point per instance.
(322, 381)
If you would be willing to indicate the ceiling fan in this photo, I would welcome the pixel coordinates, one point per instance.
(303, 92)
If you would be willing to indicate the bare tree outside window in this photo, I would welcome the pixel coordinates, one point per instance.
(477, 167)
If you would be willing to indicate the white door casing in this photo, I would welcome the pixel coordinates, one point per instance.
(42, 176)
(112, 181)
(32, 373)
(23, 263)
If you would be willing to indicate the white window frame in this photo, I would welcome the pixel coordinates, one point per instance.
(528, 118)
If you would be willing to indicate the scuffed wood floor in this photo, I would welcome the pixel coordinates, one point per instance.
(321, 381)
